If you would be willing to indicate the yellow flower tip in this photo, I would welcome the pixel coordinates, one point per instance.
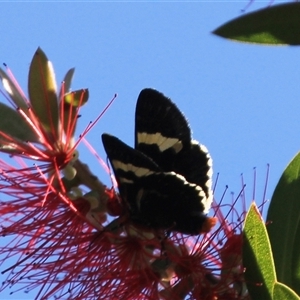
(97, 203)
(75, 193)
(69, 172)
(94, 203)
(75, 156)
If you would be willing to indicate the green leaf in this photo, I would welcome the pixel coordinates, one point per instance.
(283, 225)
(257, 257)
(72, 101)
(13, 91)
(13, 124)
(275, 25)
(77, 98)
(66, 86)
(42, 93)
(283, 292)
(296, 262)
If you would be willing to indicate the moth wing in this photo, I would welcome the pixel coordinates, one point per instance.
(159, 125)
(163, 134)
(129, 165)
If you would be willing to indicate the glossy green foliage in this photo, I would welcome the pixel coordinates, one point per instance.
(13, 126)
(42, 93)
(283, 225)
(274, 25)
(283, 292)
(257, 256)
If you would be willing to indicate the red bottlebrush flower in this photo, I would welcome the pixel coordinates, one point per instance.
(65, 255)
(57, 232)
(61, 254)
(42, 126)
(45, 239)
(46, 216)
(126, 262)
(43, 235)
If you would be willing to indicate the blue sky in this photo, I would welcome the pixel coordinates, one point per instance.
(242, 101)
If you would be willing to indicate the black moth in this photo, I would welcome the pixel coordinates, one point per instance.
(166, 179)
